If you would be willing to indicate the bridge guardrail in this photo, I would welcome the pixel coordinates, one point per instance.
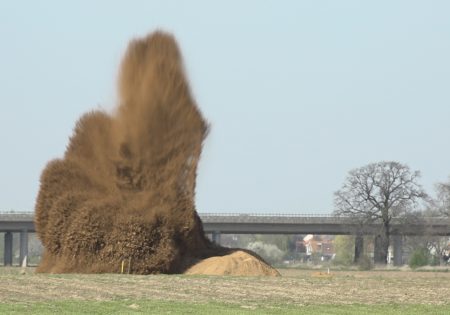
(254, 217)
(237, 214)
(16, 216)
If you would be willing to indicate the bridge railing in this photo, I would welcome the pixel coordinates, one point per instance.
(214, 214)
(222, 214)
(16, 216)
(19, 216)
(240, 214)
(17, 212)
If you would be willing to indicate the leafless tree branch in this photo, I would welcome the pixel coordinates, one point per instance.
(378, 192)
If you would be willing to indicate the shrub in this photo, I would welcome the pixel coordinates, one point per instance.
(271, 253)
(345, 250)
(435, 260)
(365, 263)
(419, 258)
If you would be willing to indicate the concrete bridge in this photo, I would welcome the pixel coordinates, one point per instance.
(240, 223)
(325, 224)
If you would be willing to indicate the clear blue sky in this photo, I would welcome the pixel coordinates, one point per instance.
(298, 92)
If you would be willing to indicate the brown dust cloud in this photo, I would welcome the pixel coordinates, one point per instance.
(123, 193)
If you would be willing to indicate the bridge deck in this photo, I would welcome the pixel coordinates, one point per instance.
(274, 224)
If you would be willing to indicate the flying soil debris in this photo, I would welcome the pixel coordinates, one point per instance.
(124, 190)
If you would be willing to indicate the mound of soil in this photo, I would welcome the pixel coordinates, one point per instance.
(238, 263)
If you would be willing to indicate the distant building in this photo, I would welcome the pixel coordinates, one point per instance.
(319, 245)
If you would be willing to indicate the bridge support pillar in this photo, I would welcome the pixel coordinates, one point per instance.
(23, 247)
(378, 250)
(8, 249)
(398, 250)
(359, 248)
(216, 237)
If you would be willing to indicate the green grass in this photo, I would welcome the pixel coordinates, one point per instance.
(296, 292)
(172, 307)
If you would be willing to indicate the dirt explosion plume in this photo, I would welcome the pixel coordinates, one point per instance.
(124, 190)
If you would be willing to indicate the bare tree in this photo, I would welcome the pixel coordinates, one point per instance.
(443, 198)
(439, 207)
(376, 193)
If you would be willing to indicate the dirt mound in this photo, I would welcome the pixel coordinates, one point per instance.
(238, 263)
(124, 191)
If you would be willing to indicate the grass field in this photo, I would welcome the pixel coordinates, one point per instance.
(296, 292)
